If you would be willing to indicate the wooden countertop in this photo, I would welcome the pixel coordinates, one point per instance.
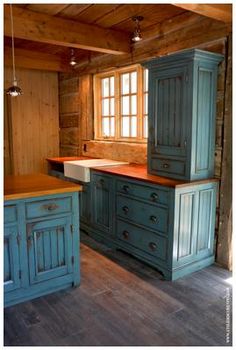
(34, 185)
(134, 171)
(139, 172)
(61, 160)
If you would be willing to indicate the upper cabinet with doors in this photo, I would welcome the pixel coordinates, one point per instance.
(182, 104)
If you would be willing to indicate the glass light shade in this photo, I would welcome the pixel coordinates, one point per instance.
(136, 36)
(14, 90)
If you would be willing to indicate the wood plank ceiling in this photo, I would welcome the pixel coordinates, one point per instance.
(46, 32)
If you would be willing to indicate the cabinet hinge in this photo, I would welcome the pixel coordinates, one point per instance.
(186, 78)
(20, 274)
(71, 229)
(72, 260)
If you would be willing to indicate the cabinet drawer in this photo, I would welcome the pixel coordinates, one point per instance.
(10, 214)
(148, 242)
(168, 166)
(144, 192)
(48, 207)
(153, 217)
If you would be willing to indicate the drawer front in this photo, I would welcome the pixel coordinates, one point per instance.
(151, 216)
(48, 207)
(147, 241)
(147, 193)
(10, 214)
(168, 166)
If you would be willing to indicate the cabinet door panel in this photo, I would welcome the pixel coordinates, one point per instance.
(50, 249)
(11, 259)
(85, 206)
(168, 111)
(102, 203)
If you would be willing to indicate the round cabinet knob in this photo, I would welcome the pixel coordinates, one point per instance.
(154, 196)
(125, 234)
(166, 165)
(125, 209)
(126, 188)
(152, 246)
(153, 219)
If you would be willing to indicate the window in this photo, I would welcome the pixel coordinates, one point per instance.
(120, 101)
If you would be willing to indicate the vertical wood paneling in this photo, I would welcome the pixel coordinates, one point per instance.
(204, 220)
(203, 114)
(34, 120)
(185, 225)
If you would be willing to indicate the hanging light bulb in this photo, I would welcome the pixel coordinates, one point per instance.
(137, 32)
(72, 58)
(13, 90)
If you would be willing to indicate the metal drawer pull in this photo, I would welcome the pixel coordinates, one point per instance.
(101, 181)
(165, 165)
(153, 218)
(125, 234)
(50, 206)
(125, 209)
(152, 246)
(126, 188)
(154, 196)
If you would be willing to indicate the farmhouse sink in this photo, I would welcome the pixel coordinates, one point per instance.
(80, 169)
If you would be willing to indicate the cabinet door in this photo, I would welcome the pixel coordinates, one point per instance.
(11, 259)
(102, 202)
(49, 245)
(168, 111)
(85, 204)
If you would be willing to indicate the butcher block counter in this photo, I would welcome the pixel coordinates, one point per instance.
(41, 236)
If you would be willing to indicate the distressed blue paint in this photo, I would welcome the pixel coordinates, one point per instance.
(182, 102)
(41, 252)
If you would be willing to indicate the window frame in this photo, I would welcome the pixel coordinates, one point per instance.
(117, 73)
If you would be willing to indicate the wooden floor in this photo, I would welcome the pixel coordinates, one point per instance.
(122, 301)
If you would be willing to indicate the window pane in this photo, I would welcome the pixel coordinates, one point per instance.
(112, 106)
(134, 82)
(146, 104)
(125, 105)
(145, 79)
(105, 107)
(145, 126)
(112, 120)
(125, 127)
(133, 127)
(125, 83)
(105, 87)
(105, 127)
(111, 86)
(134, 104)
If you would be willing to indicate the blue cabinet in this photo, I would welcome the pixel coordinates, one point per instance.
(41, 246)
(85, 204)
(182, 102)
(12, 269)
(102, 202)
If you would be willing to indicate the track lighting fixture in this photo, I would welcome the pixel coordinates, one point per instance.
(13, 90)
(72, 58)
(137, 32)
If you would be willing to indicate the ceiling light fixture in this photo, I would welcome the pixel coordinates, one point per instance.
(137, 32)
(72, 58)
(14, 90)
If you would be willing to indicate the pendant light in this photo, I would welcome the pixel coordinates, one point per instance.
(137, 32)
(72, 58)
(14, 90)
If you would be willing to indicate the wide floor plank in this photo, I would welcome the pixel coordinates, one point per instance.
(122, 301)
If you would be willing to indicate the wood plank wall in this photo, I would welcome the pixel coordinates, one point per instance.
(137, 153)
(34, 120)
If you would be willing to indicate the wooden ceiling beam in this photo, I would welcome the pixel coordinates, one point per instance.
(49, 29)
(35, 60)
(220, 12)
